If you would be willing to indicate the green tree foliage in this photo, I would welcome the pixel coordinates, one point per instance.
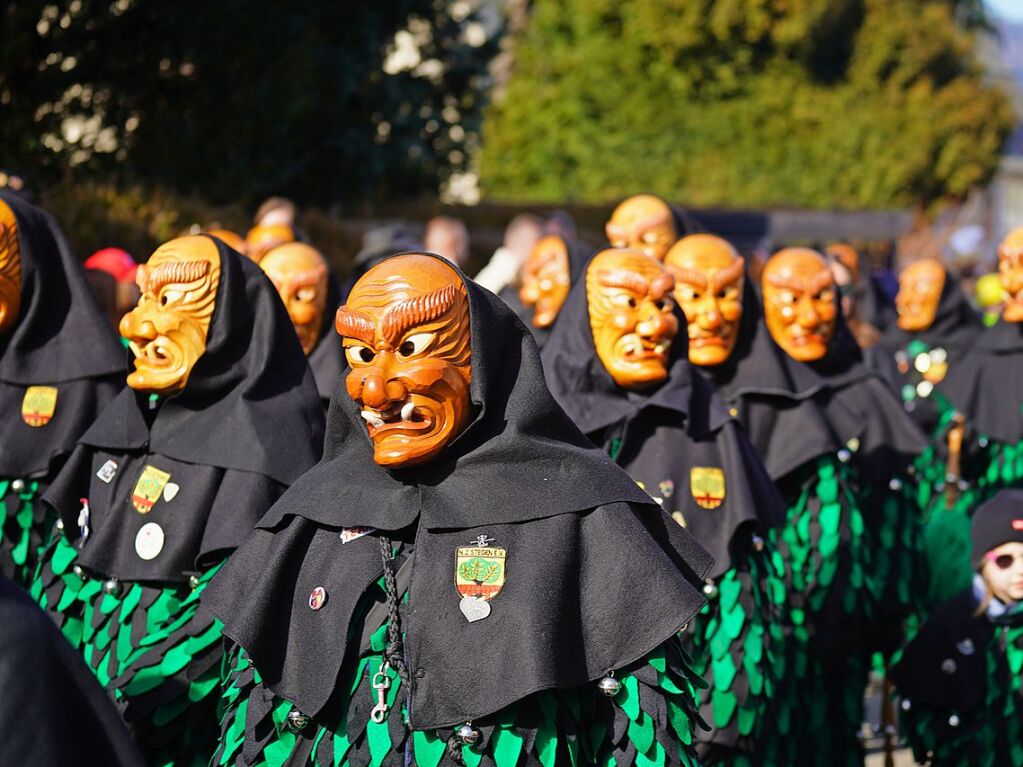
(238, 98)
(817, 103)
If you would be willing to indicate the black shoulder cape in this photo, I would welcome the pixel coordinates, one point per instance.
(863, 409)
(61, 340)
(955, 327)
(667, 438)
(581, 539)
(773, 396)
(327, 359)
(54, 712)
(987, 384)
(250, 403)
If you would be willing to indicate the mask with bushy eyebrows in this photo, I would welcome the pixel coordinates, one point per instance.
(10, 269)
(800, 309)
(546, 280)
(299, 273)
(631, 316)
(167, 330)
(1010, 274)
(642, 222)
(406, 335)
(709, 280)
(920, 286)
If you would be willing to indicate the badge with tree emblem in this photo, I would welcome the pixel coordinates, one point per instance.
(479, 577)
(148, 489)
(38, 405)
(707, 484)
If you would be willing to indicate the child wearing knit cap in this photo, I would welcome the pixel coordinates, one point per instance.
(960, 677)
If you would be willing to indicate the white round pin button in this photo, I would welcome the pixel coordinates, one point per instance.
(149, 541)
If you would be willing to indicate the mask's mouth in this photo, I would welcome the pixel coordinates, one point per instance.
(404, 417)
(154, 354)
(635, 348)
(700, 339)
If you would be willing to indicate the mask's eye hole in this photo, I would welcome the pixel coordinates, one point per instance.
(415, 344)
(359, 354)
(170, 297)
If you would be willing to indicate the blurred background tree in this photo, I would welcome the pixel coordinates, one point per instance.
(746, 103)
(232, 100)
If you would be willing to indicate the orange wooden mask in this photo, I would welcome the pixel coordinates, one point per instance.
(406, 335)
(546, 280)
(799, 302)
(262, 237)
(299, 273)
(709, 281)
(643, 222)
(10, 269)
(167, 329)
(920, 286)
(1010, 274)
(233, 240)
(630, 306)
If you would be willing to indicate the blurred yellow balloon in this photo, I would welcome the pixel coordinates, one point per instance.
(989, 290)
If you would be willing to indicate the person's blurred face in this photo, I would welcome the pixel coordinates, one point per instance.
(1010, 274)
(449, 240)
(708, 286)
(799, 302)
(920, 286)
(546, 280)
(167, 330)
(643, 223)
(631, 316)
(299, 273)
(1003, 572)
(10, 269)
(407, 338)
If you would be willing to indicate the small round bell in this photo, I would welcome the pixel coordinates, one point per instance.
(710, 589)
(895, 484)
(467, 734)
(844, 455)
(193, 582)
(758, 543)
(982, 441)
(60, 524)
(111, 586)
(906, 705)
(78, 570)
(609, 686)
(297, 721)
(953, 721)
(18, 485)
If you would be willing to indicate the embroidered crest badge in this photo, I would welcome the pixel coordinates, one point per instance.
(148, 489)
(480, 571)
(38, 405)
(707, 484)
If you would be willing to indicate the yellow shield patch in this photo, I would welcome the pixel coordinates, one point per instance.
(148, 488)
(38, 405)
(480, 571)
(707, 486)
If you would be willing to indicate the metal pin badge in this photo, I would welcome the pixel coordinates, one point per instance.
(317, 598)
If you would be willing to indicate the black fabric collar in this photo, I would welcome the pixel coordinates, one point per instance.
(955, 327)
(250, 403)
(519, 435)
(327, 359)
(61, 334)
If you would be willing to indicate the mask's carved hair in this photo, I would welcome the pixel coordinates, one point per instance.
(418, 310)
(152, 278)
(353, 324)
(625, 279)
(10, 250)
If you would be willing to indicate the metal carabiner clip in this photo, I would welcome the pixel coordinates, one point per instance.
(381, 683)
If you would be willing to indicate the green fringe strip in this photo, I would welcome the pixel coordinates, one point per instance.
(26, 527)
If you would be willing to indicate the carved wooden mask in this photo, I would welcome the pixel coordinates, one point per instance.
(800, 306)
(299, 273)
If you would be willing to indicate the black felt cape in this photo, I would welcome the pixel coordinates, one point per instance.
(54, 713)
(247, 424)
(864, 411)
(987, 384)
(578, 254)
(62, 340)
(327, 359)
(582, 540)
(661, 436)
(774, 397)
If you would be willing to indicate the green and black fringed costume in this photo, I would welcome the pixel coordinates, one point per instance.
(821, 551)
(60, 364)
(150, 503)
(679, 443)
(523, 592)
(959, 680)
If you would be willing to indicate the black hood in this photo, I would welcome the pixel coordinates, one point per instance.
(664, 437)
(520, 472)
(250, 403)
(61, 340)
(327, 359)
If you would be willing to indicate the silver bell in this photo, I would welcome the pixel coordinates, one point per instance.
(78, 570)
(297, 721)
(467, 734)
(906, 704)
(710, 589)
(844, 455)
(953, 721)
(982, 441)
(60, 524)
(193, 582)
(895, 484)
(18, 485)
(758, 543)
(948, 666)
(111, 586)
(609, 686)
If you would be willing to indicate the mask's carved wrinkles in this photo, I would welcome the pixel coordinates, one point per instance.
(152, 279)
(624, 279)
(417, 311)
(10, 269)
(729, 274)
(354, 324)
